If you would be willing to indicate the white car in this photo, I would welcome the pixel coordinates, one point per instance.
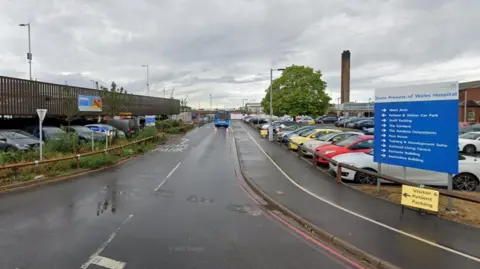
(469, 142)
(308, 147)
(467, 179)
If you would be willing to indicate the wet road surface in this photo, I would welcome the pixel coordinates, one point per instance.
(180, 206)
(371, 224)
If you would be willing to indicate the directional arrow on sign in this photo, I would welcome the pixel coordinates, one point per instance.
(384, 135)
(383, 145)
(383, 130)
(383, 155)
(384, 125)
(383, 115)
(384, 120)
(383, 140)
(383, 110)
(384, 150)
(406, 195)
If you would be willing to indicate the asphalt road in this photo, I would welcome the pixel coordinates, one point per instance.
(181, 206)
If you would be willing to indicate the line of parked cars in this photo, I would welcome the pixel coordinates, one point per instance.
(355, 147)
(28, 138)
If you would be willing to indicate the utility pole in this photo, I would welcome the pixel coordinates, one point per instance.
(270, 128)
(148, 84)
(29, 54)
(210, 101)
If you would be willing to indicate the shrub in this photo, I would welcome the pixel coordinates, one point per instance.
(96, 161)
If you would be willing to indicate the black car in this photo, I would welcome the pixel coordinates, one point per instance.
(257, 120)
(345, 121)
(326, 119)
(361, 124)
(17, 140)
(84, 133)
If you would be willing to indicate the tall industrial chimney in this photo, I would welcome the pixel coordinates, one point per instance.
(345, 78)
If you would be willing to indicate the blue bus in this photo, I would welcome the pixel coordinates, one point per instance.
(222, 118)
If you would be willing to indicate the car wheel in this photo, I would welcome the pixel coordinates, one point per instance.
(465, 182)
(365, 179)
(470, 149)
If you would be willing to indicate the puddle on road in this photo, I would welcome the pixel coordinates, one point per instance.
(245, 209)
(195, 199)
(109, 201)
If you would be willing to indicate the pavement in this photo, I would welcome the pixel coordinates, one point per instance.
(368, 223)
(182, 205)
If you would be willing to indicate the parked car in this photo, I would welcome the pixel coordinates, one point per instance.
(129, 127)
(467, 179)
(343, 122)
(469, 142)
(369, 131)
(48, 132)
(13, 139)
(361, 124)
(326, 119)
(351, 123)
(362, 143)
(280, 125)
(312, 134)
(257, 120)
(106, 129)
(299, 131)
(84, 133)
(308, 147)
(305, 120)
(287, 130)
(471, 128)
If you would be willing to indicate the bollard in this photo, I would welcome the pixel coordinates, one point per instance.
(339, 173)
(78, 161)
(314, 160)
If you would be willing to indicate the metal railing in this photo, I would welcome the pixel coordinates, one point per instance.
(340, 165)
(78, 156)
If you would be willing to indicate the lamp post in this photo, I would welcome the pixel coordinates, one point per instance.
(270, 126)
(210, 101)
(29, 54)
(148, 84)
(243, 105)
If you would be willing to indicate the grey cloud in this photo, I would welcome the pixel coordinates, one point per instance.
(225, 48)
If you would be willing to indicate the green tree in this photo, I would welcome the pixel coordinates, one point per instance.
(299, 91)
(115, 100)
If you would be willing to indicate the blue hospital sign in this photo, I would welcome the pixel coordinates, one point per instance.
(417, 126)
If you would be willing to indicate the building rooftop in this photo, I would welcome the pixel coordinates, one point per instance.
(469, 85)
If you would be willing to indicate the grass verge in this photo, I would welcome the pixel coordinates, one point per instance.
(465, 212)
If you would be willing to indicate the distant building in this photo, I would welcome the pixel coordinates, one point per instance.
(254, 107)
(469, 101)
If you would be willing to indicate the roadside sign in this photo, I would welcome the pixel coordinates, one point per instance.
(420, 198)
(417, 126)
(41, 113)
(150, 120)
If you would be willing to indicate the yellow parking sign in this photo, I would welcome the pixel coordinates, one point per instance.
(263, 133)
(420, 198)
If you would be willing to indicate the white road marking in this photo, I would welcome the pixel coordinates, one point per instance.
(104, 244)
(465, 255)
(184, 140)
(166, 178)
(108, 263)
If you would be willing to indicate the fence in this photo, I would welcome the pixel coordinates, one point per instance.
(78, 156)
(22, 97)
(340, 165)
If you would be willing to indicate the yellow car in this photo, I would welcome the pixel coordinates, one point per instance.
(314, 133)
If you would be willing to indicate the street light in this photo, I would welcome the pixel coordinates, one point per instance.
(243, 104)
(29, 54)
(210, 102)
(270, 126)
(148, 85)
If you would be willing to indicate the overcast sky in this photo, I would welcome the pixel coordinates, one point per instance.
(226, 48)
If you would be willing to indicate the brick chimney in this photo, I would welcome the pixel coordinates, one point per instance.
(345, 77)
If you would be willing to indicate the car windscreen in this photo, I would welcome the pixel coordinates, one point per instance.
(326, 137)
(15, 135)
(52, 131)
(347, 141)
(81, 129)
(309, 132)
(473, 136)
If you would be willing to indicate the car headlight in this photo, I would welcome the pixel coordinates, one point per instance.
(329, 151)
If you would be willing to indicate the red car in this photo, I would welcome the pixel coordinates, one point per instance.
(362, 143)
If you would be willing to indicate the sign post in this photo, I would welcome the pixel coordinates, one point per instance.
(41, 116)
(418, 127)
